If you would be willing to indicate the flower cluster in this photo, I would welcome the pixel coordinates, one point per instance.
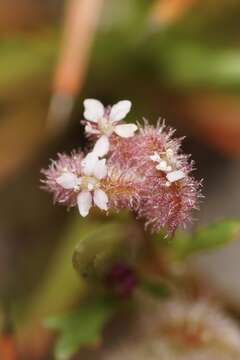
(138, 167)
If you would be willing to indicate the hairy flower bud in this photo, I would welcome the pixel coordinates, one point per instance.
(169, 192)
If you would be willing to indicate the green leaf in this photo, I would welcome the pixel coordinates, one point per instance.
(155, 288)
(82, 327)
(216, 234)
(181, 243)
(206, 238)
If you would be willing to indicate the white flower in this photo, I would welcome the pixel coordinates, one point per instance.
(88, 184)
(104, 122)
(168, 163)
(163, 162)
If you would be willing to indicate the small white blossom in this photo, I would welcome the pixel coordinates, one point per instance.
(104, 122)
(87, 185)
(168, 163)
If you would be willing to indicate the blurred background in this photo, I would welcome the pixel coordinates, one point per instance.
(174, 59)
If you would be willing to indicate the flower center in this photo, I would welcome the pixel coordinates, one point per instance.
(167, 161)
(106, 126)
(89, 183)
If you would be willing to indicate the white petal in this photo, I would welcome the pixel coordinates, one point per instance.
(93, 110)
(90, 130)
(100, 199)
(67, 180)
(162, 165)
(175, 175)
(126, 130)
(100, 170)
(89, 163)
(155, 157)
(101, 147)
(84, 201)
(120, 110)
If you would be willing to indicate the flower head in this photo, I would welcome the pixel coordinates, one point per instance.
(104, 122)
(145, 172)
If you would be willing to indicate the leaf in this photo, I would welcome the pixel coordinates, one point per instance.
(82, 327)
(155, 288)
(216, 234)
(181, 243)
(206, 238)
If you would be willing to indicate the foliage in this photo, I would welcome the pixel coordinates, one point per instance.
(82, 327)
(205, 238)
(155, 288)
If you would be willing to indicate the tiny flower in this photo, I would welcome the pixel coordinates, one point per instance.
(166, 160)
(88, 184)
(168, 163)
(79, 185)
(105, 121)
